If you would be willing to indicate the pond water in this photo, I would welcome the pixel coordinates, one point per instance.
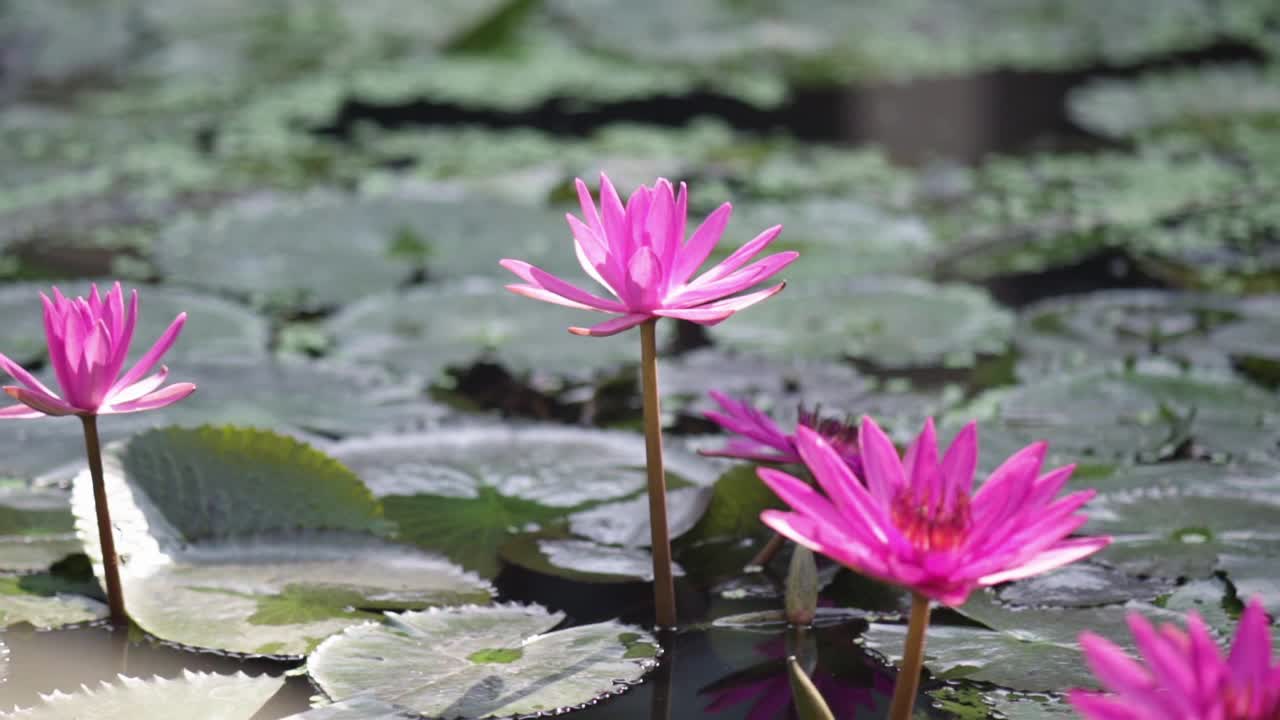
(1057, 218)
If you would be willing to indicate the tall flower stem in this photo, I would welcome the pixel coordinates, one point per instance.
(110, 562)
(904, 692)
(767, 552)
(664, 594)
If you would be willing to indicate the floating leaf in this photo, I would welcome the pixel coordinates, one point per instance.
(201, 696)
(581, 560)
(1146, 412)
(1189, 97)
(358, 708)
(1083, 584)
(45, 601)
(464, 491)
(478, 662)
(1108, 327)
(249, 542)
(469, 321)
(1028, 649)
(36, 526)
(886, 322)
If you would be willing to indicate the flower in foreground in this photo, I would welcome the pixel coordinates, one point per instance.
(639, 253)
(88, 341)
(1185, 675)
(762, 440)
(917, 521)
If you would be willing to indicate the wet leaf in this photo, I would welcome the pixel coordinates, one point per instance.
(202, 697)
(46, 601)
(36, 526)
(249, 542)
(581, 560)
(439, 666)
(889, 323)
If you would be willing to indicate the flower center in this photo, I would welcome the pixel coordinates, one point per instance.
(1237, 702)
(930, 525)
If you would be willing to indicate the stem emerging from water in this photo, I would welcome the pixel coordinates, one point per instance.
(110, 563)
(904, 692)
(767, 553)
(664, 594)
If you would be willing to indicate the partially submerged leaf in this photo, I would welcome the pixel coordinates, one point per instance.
(479, 662)
(249, 542)
(45, 601)
(200, 696)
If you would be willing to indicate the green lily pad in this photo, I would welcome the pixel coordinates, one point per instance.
(64, 41)
(201, 696)
(1108, 327)
(581, 560)
(1083, 584)
(838, 238)
(1192, 98)
(1228, 247)
(1183, 532)
(1029, 649)
(480, 662)
(465, 491)
(358, 708)
(1252, 343)
(249, 542)
(46, 601)
(36, 527)
(215, 327)
(895, 323)
(473, 320)
(1146, 412)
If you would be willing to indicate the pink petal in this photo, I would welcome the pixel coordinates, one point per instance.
(47, 404)
(140, 388)
(740, 256)
(615, 219)
(961, 462)
(1250, 657)
(19, 373)
(612, 327)
(592, 255)
(19, 412)
(1113, 667)
(1063, 554)
(698, 249)
(842, 486)
(880, 463)
(804, 530)
(658, 223)
(643, 284)
(715, 312)
(153, 355)
(157, 399)
(589, 214)
(537, 293)
(124, 338)
(701, 293)
(543, 279)
(1093, 706)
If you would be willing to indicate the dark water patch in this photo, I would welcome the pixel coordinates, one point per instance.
(1108, 270)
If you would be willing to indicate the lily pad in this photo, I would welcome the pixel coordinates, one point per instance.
(1190, 98)
(249, 542)
(479, 662)
(1029, 649)
(347, 249)
(1150, 411)
(1083, 584)
(215, 328)
(1112, 326)
(1183, 532)
(358, 708)
(466, 491)
(892, 323)
(469, 321)
(581, 560)
(201, 696)
(45, 601)
(36, 526)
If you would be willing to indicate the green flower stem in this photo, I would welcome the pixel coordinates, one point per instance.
(664, 594)
(110, 562)
(904, 691)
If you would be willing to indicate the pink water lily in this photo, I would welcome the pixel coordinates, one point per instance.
(761, 439)
(1185, 675)
(88, 340)
(639, 253)
(917, 522)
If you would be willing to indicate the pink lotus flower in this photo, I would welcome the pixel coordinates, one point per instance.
(917, 523)
(638, 252)
(1185, 676)
(762, 440)
(88, 342)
